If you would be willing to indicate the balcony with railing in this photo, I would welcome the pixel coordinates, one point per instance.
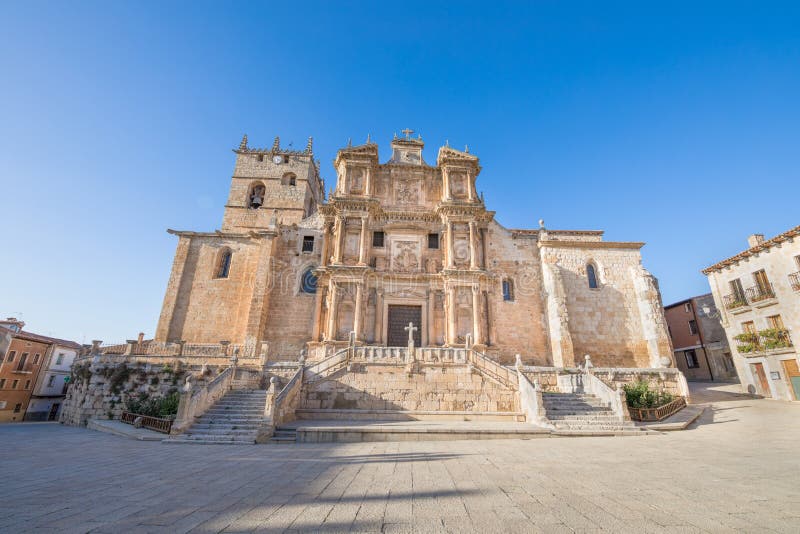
(794, 280)
(734, 301)
(771, 339)
(760, 293)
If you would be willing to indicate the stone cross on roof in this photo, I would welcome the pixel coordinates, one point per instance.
(407, 132)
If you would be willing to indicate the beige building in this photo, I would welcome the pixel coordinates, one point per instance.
(758, 293)
(402, 242)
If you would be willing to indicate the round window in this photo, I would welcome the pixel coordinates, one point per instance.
(309, 282)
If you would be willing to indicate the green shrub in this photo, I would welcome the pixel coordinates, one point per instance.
(640, 395)
(144, 404)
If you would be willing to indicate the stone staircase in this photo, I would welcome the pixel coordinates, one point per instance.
(284, 435)
(582, 413)
(234, 419)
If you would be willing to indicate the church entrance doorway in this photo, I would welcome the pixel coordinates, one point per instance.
(399, 317)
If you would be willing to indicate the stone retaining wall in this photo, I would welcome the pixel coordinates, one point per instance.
(390, 387)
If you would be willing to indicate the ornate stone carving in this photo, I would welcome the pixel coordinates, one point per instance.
(407, 192)
(357, 181)
(406, 257)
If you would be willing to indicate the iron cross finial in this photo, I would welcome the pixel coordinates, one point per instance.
(407, 132)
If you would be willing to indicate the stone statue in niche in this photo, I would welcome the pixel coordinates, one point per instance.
(407, 193)
(357, 181)
(405, 258)
(432, 266)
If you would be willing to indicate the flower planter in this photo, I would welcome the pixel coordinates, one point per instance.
(658, 413)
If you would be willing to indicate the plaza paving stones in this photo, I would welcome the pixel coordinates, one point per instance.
(736, 469)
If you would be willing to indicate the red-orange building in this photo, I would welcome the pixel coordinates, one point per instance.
(19, 369)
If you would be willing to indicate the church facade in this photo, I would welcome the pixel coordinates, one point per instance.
(399, 242)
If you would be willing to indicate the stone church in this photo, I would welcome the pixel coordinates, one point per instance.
(403, 241)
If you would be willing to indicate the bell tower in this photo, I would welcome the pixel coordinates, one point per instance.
(272, 184)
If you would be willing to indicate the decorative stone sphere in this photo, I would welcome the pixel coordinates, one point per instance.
(665, 361)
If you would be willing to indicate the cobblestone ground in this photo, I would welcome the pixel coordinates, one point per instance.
(737, 469)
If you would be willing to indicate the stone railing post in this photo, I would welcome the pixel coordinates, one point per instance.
(224, 344)
(131, 343)
(623, 403)
(351, 345)
(588, 363)
(182, 419)
(518, 362)
(234, 361)
(272, 392)
(96, 346)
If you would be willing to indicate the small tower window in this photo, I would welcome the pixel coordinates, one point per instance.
(289, 179)
(508, 289)
(433, 241)
(591, 276)
(224, 264)
(308, 243)
(377, 239)
(256, 197)
(292, 181)
(308, 284)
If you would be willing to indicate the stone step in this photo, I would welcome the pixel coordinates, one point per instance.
(233, 411)
(222, 432)
(582, 417)
(595, 428)
(201, 441)
(405, 415)
(249, 405)
(218, 429)
(229, 422)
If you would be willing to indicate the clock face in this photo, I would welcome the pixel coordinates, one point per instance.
(277, 160)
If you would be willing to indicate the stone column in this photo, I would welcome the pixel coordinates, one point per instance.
(449, 243)
(339, 236)
(470, 193)
(317, 315)
(473, 260)
(477, 329)
(451, 316)
(358, 310)
(326, 239)
(428, 339)
(379, 316)
(362, 248)
(332, 310)
(446, 184)
(368, 183)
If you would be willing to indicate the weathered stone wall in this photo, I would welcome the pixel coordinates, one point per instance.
(202, 308)
(387, 387)
(99, 390)
(290, 319)
(517, 326)
(603, 322)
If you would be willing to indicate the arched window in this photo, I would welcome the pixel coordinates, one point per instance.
(224, 263)
(289, 179)
(308, 282)
(591, 276)
(508, 289)
(255, 199)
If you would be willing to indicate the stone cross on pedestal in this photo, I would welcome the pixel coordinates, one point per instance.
(410, 329)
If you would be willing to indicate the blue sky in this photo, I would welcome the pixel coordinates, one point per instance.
(673, 123)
